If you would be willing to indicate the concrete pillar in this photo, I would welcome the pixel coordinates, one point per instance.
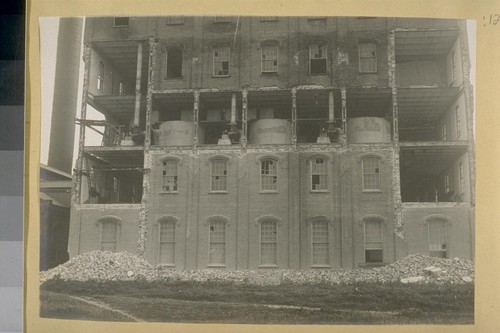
(331, 114)
(196, 109)
(138, 78)
(294, 117)
(62, 133)
(244, 118)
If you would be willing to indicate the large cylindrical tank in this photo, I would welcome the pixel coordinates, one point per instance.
(368, 130)
(179, 133)
(271, 131)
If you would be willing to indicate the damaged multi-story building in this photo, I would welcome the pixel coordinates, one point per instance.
(287, 142)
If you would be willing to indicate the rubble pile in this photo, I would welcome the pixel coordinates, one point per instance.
(109, 266)
(102, 265)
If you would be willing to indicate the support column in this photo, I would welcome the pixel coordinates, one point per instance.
(196, 107)
(138, 78)
(83, 115)
(343, 138)
(244, 118)
(149, 97)
(294, 117)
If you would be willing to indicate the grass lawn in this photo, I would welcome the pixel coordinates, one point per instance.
(215, 302)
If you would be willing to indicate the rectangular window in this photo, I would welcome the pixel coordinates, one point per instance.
(367, 58)
(222, 57)
(319, 174)
(174, 63)
(437, 239)
(268, 243)
(268, 175)
(269, 59)
(167, 242)
(100, 77)
(120, 21)
(218, 175)
(217, 243)
(457, 121)
(317, 59)
(169, 176)
(320, 244)
(108, 236)
(373, 241)
(461, 177)
(371, 174)
(175, 20)
(223, 19)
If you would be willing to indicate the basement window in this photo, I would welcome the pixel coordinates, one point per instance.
(317, 59)
(174, 63)
(120, 21)
(222, 61)
(367, 58)
(373, 241)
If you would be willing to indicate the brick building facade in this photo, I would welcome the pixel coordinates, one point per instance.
(289, 142)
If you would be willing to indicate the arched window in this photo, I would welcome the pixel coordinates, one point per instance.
(217, 253)
(319, 174)
(268, 243)
(167, 241)
(109, 232)
(438, 238)
(268, 175)
(371, 173)
(169, 175)
(320, 243)
(218, 174)
(373, 241)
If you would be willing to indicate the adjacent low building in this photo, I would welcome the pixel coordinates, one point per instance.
(276, 142)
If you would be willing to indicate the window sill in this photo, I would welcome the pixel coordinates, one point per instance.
(372, 191)
(268, 266)
(268, 191)
(168, 192)
(216, 266)
(320, 191)
(218, 192)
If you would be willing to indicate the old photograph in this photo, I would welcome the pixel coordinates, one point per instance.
(257, 169)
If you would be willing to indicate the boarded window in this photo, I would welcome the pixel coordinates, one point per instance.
(218, 175)
(169, 176)
(268, 175)
(174, 63)
(268, 243)
(373, 241)
(120, 21)
(317, 59)
(320, 244)
(217, 243)
(437, 239)
(108, 236)
(222, 61)
(319, 174)
(368, 58)
(269, 59)
(167, 242)
(371, 174)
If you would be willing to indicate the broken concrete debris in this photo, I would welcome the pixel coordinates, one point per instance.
(123, 266)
